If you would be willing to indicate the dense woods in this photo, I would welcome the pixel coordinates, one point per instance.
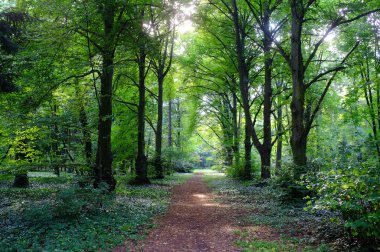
(109, 95)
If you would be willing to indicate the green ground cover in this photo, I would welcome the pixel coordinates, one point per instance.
(54, 214)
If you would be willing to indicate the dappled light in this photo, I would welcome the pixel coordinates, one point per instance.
(189, 125)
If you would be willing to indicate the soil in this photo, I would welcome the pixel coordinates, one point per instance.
(194, 222)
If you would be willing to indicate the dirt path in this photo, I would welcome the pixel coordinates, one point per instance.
(195, 222)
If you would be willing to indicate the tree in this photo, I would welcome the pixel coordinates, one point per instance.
(299, 64)
(164, 34)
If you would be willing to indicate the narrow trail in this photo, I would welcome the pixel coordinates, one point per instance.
(194, 222)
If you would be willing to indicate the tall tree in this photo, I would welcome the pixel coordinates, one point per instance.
(164, 33)
(300, 57)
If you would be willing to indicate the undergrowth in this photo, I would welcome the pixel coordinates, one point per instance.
(54, 218)
(269, 224)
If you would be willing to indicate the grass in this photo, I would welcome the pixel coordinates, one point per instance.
(266, 223)
(55, 215)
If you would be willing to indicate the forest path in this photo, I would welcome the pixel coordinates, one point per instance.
(194, 222)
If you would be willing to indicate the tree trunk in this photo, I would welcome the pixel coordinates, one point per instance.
(247, 155)
(55, 134)
(158, 154)
(299, 134)
(103, 170)
(244, 90)
(86, 135)
(141, 159)
(170, 138)
(179, 126)
(235, 126)
(279, 140)
(266, 148)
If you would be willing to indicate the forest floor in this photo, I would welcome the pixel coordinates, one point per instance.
(194, 222)
(211, 212)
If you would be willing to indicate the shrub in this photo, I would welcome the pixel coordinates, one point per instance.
(353, 190)
(292, 191)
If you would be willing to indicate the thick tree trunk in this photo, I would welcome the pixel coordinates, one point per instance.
(299, 134)
(141, 159)
(103, 169)
(244, 90)
(158, 154)
(247, 171)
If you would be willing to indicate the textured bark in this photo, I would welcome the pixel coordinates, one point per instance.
(158, 154)
(170, 129)
(244, 91)
(299, 134)
(141, 159)
(266, 148)
(279, 140)
(103, 169)
(179, 126)
(236, 134)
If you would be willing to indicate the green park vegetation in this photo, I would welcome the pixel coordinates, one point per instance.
(107, 104)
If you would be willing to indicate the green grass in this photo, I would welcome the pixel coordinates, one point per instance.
(51, 217)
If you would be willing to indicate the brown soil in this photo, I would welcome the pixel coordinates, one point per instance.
(195, 222)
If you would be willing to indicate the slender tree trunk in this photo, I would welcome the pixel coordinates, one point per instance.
(236, 137)
(170, 137)
(158, 154)
(266, 147)
(279, 140)
(55, 133)
(141, 160)
(86, 135)
(103, 169)
(179, 126)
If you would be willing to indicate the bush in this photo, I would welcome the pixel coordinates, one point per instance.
(353, 190)
(292, 191)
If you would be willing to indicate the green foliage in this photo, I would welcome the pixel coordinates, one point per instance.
(263, 208)
(281, 245)
(352, 190)
(74, 219)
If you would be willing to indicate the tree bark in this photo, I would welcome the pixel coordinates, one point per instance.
(103, 169)
(299, 134)
(141, 159)
(279, 140)
(244, 90)
(179, 126)
(158, 154)
(235, 126)
(170, 129)
(266, 148)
